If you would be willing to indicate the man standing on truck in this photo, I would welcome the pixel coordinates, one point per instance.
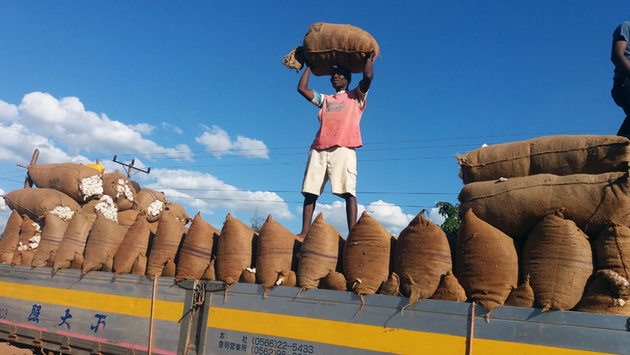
(620, 56)
(332, 155)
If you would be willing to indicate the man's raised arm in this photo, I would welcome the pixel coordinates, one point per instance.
(368, 75)
(303, 85)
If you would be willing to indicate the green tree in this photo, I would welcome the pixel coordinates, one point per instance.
(451, 223)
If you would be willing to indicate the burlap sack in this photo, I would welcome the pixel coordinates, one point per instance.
(612, 249)
(557, 256)
(10, 238)
(318, 254)
(119, 188)
(522, 296)
(196, 253)
(248, 276)
(102, 244)
(334, 281)
(606, 292)
(514, 206)
(78, 181)
(327, 44)
(73, 243)
(486, 263)
(422, 256)
(391, 286)
(558, 155)
(133, 248)
(37, 202)
(274, 254)
(449, 289)
(140, 265)
(234, 250)
(151, 202)
(210, 274)
(366, 256)
(28, 230)
(178, 212)
(127, 218)
(165, 246)
(52, 234)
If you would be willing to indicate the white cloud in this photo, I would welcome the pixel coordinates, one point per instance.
(436, 217)
(218, 142)
(7, 111)
(390, 216)
(206, 193)
(171, 128)
(143, 128)
(64, 125)
(18, 144)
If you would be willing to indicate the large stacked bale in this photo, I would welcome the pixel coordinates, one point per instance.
(515, 205)
(10, 237)
(164, 248)
(486, 263)
(612, 249)
(131, 256)
(119, 188)
(234, 251)
(55, 226)
(274, 255)
(127, 218)
(150, 202)
(318, 254)
(327, 44)
(366, 256)
(196, 256)
(36, 203)
(70, 251)
(449, 289)
(102, 244)
(558, 155)
(557, 256)
(522, 296)
(422, 256)
(606, 292)
(78, 181)
(30, 235)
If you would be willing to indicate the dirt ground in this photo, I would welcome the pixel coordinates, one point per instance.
(7, 349)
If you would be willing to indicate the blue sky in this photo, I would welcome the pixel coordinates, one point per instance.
(196, 91)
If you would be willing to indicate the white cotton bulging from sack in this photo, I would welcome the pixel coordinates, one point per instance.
(108, 208)
(38, 228)
(64, 213)
(91, 186)
(34, 241)
(22, 247)
(122, 188)
(155, 208)
(252, 270)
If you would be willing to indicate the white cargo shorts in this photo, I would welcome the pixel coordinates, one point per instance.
(337, 164)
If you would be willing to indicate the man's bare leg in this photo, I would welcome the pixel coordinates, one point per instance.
(351, 210)
(307, 213)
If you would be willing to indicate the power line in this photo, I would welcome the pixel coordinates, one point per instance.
(226, 151)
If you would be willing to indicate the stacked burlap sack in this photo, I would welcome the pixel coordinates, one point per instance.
(327, 44)
(531, 213)
(78, 217)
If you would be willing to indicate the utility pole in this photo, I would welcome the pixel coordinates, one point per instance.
(129, 167)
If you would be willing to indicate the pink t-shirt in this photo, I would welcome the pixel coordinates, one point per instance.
(339, 118)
